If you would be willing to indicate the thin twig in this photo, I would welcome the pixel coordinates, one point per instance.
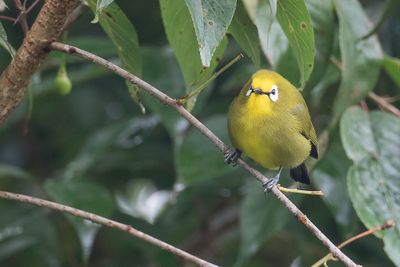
(299, 191)
(329, 256)
(8, 18)
(106, 222)
(29, 9)
(210, 135)
(22, 16)
(381, 101)
(215, 75)
(384, 104)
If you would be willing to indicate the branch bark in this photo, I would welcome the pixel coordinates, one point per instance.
(165, 99)
(106, 222)
(34, 49)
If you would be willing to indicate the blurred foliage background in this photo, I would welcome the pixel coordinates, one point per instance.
(92, 147)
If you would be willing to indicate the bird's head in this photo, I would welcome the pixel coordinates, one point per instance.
(264, 92)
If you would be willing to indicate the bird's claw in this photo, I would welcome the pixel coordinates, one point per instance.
(268, 185)
(231, 156)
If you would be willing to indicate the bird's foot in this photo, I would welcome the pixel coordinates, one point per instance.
(268, 185)
(231, 156)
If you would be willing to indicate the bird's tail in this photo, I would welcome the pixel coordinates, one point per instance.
(300, 174)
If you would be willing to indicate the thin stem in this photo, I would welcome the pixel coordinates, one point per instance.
(329, 256)
(384, 104)
(299, 191)
(29, 9)
(22, 16)
(213, 77)
(381, 101)
(210, 135)
(106, 222)
(8, 18)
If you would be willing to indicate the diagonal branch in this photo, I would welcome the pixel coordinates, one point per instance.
(165, 99)
(106, 222)
(46, 29)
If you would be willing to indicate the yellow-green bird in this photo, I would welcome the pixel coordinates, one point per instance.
(270, 123)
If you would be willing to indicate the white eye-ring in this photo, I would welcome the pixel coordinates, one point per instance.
(249, 91)
(273, 94)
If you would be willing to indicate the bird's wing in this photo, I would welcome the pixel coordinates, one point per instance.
(300, 112)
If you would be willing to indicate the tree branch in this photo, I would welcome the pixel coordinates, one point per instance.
(34, 49)
(165, 99)
(328, 257)
(106, 222)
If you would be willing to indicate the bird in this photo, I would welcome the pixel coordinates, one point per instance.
(270, 123)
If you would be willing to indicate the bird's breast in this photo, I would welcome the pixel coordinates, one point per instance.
(273, 140)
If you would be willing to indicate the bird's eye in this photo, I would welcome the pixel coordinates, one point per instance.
(273, 94)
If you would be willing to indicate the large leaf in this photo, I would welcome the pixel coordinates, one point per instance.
(261, 217)
(86, 196)
(372, 142)
(182, 38)
(330, 176)
(360, 58)
(111, 147)
(278, 46)
(262, 16)
(211, 19)
(196, 154)
(323, 20)
(295, 21)
(245, 33)
(161, 70)
(27, 230)
(101, 4)
(123, 34)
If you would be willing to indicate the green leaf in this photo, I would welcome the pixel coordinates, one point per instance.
(111, 147)
(331, 76)
(323, 20)
(361, 59)
(211, 19)
(296, 22)
(13, 172)
(329, 175)
(161, 70)
(86, 196)
(261, 217)
(27, 230)
(4, 41)
(273, 4)
(372, 181)
(245, 33)
(392, 68)
(261, 14)
(354, 124)
(101, 4)
(182, 38)
(197, 159)
(123, 34)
